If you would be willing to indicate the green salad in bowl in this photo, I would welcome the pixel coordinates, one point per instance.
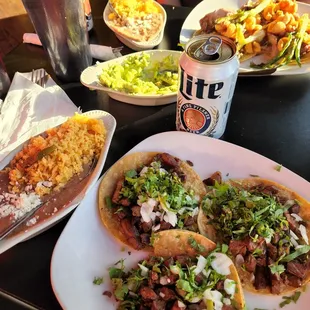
(141, 74)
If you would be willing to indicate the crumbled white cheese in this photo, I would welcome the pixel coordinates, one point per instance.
(18, 205)
(221, 263)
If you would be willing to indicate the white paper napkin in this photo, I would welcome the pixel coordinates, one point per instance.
(100, 52)
(29, 109)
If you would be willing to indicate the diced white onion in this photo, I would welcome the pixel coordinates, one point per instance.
(171, 218)
(293, 235)
(162, 295)
(163, 280)
(239, 260)
(144, 270)
(181, 305)
(144, 170)
(146, 211)
(226, 301)
(214, 296)
(296, 217)
(175, 269)
(294, 242)
(206, 273)
(194, 299)
(230, 286)
(221, 263)
(195, 211)
(201, 264)
(303, 232)
(155, 228)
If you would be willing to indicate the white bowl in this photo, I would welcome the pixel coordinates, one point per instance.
(135, 45)
(89, 78)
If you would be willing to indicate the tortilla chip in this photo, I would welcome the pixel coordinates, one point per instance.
(171, 243)
(116, 172)
(246, 184)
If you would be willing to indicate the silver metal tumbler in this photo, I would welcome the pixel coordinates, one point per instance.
(61, 27)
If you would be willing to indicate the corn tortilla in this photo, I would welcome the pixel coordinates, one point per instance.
(246, 184)
(116, 172)
(178, 242)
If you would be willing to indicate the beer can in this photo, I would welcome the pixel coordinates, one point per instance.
(208, 71)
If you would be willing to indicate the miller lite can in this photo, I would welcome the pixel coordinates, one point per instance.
(208, 71)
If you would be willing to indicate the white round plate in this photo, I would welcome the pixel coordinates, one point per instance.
(110, 124)
(191, 24)
(85, 249)
(135, 45)
(89, 78)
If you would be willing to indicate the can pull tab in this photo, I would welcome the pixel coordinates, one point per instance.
(209, 48)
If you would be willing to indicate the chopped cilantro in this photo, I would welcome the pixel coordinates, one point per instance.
(288, 299)
(131, 173)
(195, 245)
(115, 272)
(224, 248)
(300, 251)
(275, 268)
(278, 168)
(98, 280)
(109, 203)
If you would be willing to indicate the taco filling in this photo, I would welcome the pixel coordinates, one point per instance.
(177, 283)
(266, 233)
(153, 198)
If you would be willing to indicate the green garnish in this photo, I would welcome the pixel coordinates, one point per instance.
(303, 249)
(131, 173)
(195, 245)
(275, 268)
(288, 299)
(46, 151)
(109, 203)
(237, 213)
(278, 168)
(98, 280)
(115, 272)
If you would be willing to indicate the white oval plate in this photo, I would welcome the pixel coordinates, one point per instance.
(191, 24)
(85, 249)
(110, 124)
(135, 45)
(89, 78)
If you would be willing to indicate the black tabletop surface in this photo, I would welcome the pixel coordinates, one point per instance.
(269, 115)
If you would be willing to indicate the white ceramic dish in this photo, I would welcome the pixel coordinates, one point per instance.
(135, 45)
(89, 78)
(110, 124)
(191, 24)
(85, 249)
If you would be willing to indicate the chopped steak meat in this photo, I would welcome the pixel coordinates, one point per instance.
(237, 247)
(297, 269)
(277, 284)
(136, 211)
(215, 177)
(158, 305)
(119, 185)
(293, 224)
(147, 293)
(250, 263)
(168, 160)
(295, 208)
(261, 280)
(272, 251)
(293, 281)
(166, 294)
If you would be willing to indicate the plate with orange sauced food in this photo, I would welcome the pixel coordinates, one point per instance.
(269, 34)
(137, 23)
(53, 170)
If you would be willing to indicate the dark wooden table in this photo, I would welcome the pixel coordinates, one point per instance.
(269, 115)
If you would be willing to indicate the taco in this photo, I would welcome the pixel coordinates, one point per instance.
(179, 281)
(148, 192)
(265, 226)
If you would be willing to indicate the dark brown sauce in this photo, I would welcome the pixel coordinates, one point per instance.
(54, 202)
